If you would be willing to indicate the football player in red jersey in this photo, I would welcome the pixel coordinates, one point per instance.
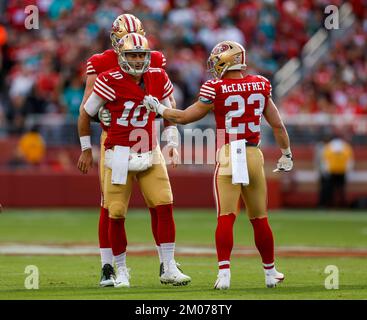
(98, 63)
(131, 151)
(238, 101)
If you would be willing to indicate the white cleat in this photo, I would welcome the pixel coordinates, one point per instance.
(273, 277)
(223, 280)
(172, 275)
(122, 278)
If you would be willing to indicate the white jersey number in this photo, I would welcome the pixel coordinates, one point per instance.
(255, 97)
(123, 120)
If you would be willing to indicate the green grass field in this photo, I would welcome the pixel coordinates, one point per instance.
(76, 277)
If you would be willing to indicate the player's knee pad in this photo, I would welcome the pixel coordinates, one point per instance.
(117, 210)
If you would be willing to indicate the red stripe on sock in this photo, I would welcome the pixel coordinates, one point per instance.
(268, 268)
(104, 241)
(117, 236)
(264, 239)
(224, 238)
(154, 224)
(166, 225)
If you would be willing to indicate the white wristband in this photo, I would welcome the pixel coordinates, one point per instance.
(286, 151)
(85, 143)
(161, 109)
(172, 136)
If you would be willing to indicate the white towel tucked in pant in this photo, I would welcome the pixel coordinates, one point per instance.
(120, 164)
(239, 162)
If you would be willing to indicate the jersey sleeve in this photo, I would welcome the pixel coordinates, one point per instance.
(92, 65)
(268, 87)
(207, 92)
(167, 86)
(103, 88)
(158, 60)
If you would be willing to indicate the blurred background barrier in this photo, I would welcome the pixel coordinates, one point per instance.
(57, 182)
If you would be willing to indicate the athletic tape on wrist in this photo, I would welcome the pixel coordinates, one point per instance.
(85, 143)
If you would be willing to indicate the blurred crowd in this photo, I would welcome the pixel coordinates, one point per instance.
(42, 72)
(339, 85)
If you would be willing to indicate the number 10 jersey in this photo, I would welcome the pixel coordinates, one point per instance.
(132, 125)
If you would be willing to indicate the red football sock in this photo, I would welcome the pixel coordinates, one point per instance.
(264, 241)
(104, 241)
(117, 236)
(224, 239)
(166, 229)
(154, 224)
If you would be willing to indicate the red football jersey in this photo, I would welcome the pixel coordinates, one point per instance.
(238, 106)
(107, 60)
(131, 124)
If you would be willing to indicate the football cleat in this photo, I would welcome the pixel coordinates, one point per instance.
(161, 269)
(273, 277)
(107, 276)
(223, 280)
(174, 276)
(122, 278)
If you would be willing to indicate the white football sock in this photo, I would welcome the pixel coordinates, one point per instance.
(159, 250)
(120, 260)
(168, 253)
(106, 256)
(226, 272)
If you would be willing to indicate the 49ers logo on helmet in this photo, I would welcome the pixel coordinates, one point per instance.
(115, 26)
(221, 48)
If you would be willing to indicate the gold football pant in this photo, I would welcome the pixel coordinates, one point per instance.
(153, 182)
(227, 195)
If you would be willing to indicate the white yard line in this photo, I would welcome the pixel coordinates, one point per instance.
(40, 249)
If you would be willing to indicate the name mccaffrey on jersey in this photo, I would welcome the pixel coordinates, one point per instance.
(240, 87)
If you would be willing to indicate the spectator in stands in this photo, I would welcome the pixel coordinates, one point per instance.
(32, 147)
(337, 162)
(35, 65)
(73, 96)
(323, 175)
(16, 161)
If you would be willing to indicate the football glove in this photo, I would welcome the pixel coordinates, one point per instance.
(285, 163)
(151, 103)
(104, 116)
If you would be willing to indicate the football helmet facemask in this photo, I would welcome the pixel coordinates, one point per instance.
(124, 24)
(137, 44)
(225, 56)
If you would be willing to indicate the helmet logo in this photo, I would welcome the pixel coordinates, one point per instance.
(115, 26)
(221, 48)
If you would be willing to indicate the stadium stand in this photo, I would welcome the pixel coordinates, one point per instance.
(42, 71)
